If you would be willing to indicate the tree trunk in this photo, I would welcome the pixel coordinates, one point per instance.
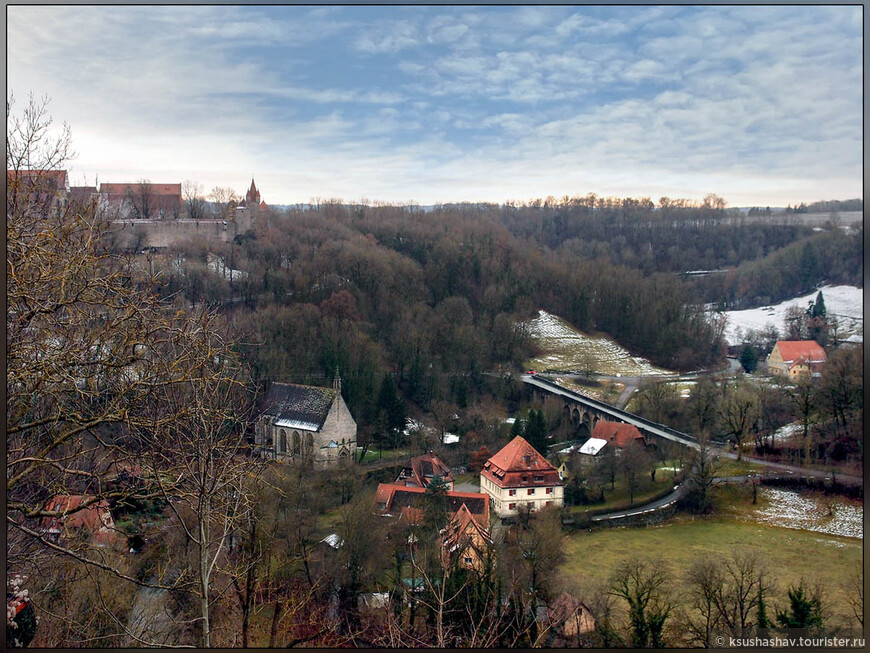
(273, 634)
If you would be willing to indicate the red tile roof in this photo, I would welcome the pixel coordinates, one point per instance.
(617, 433)
(793, 351)
(55, 179)
(95, 517)
(396, 497)
(457, 529)
(156, 189)
(519, 464)
(422, 469)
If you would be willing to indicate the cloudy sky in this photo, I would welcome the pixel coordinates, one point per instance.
(761, 105)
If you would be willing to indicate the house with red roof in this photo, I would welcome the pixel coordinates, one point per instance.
(78, 514)
(421, 470)
(464, 539)
(797, 359)
(518, 476)
(617, 434)
(393, 498)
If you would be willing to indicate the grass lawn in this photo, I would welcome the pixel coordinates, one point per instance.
(617, 498)
(789, 554)
(728, 467)
(373, 455)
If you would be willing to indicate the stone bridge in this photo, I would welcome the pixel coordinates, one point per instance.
(586, 412)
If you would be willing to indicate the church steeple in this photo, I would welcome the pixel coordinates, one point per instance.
(253, 195)
(336, 382)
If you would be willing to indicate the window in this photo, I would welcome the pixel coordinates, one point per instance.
(511, 506)
(549, 490)
(525, 479)
(283, 441)
(512, 493)
(531, 490)
(468, 560)
(538, 478)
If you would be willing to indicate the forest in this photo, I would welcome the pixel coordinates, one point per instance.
(437, 298)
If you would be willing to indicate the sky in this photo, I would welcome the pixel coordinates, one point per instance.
(761, 105)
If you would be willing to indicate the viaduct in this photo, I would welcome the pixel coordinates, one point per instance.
(585, 411)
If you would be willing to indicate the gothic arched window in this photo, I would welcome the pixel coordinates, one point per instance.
(296, 443)
(282, 447)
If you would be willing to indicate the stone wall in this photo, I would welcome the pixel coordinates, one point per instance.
(138, 234)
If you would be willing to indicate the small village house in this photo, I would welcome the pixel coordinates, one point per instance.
(421, 470)
(518, 476)
(587, 453)
(466, 536)
(93, 521)
(797, 359)
(616, 434)
(305, 424)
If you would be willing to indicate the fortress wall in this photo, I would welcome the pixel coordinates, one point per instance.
(163, 233)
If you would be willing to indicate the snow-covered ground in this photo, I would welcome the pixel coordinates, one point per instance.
(790, 509)
(846, 303)
(566, 350)
(219, 266)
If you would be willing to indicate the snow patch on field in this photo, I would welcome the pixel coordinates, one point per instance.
(790, 509)
(567, 350)
(846, 303)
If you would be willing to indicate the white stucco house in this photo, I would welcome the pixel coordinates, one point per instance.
(518, 476)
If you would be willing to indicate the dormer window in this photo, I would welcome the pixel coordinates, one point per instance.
(525, 479)
(539, 478)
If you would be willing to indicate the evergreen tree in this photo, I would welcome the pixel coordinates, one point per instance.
(518, 427)
(763, 621)
(749, 359)
(809, 270)
(391, 410)
(535, 431)
(819, 309)
(804, 611)
(436, 508)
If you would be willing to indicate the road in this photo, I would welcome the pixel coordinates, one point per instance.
(668, 433)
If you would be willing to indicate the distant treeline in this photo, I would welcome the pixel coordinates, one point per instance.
(826, 206)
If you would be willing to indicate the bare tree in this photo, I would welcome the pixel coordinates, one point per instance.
(201, 469)
(703, 580)
(91, 355)
(223, 201)
(644, 587)
(633, 463)
(140, 200)
(703, 467)
(739, 413)
(736, 599)
(194, 202)
(854, 590)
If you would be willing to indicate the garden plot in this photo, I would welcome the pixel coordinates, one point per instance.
(790, 509)
(568, 350)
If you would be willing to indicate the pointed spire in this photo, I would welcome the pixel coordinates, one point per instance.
(336, 382)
